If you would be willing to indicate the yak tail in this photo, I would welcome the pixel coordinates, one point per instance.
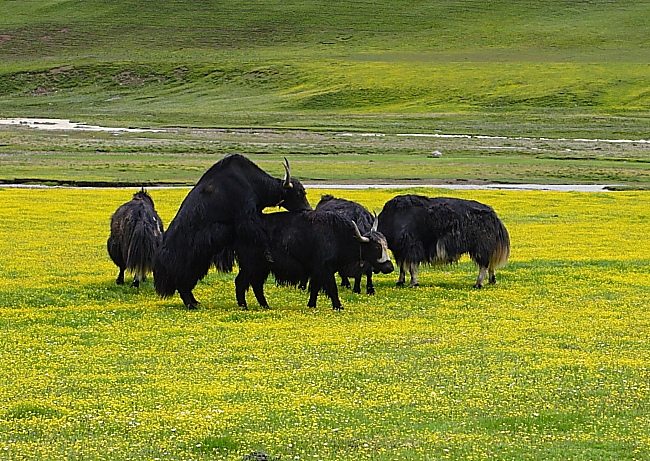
(499, 256)
(163, 277)
(142, 247)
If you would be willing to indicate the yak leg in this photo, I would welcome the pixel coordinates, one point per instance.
(243, 282)
(493, 277)
(314, 288)
(188, 299)
(120, 277)
(258, 289)
(302, 285)
(345, 282)
(333, 292)
(139, 276)
(357, 284)
(402, 274)
(413, 269)
(370, 287)
(481, 277)
(257, 282)
(241, 286)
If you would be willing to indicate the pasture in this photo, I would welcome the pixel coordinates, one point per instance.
(550, 363)
(549, 68)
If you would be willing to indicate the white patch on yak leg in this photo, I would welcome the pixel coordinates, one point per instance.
(402, 275)
(481, 277)
(441, 252)
(413, 269)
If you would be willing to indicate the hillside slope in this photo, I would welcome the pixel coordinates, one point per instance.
(322, 63)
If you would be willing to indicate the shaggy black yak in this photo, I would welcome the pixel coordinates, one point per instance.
(440, 230)
(311, 246)
(366, 223)
(221, 217)
(136, 233)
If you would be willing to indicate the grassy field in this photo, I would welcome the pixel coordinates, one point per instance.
(181, 156)
(305, 72)
(578, 67)
(550, 363)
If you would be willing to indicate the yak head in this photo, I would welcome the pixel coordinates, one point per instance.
(374, 249)
(294, 196)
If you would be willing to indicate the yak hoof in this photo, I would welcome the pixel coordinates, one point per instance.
(399, 284)
(135, 284)
(370, 291)
(192, 306)
(478, 286)
(493, 280)
(413, 285)
(120, 281)
(356, 290)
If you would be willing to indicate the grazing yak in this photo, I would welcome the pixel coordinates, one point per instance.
(366, 223)
(136, 233)
(312, 245)
(440, 230)
(221, 217)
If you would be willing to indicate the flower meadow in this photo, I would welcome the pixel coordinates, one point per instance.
(552, 362)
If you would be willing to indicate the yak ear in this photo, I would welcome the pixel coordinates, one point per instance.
(358, 235)
(375, 223)
(287, 175)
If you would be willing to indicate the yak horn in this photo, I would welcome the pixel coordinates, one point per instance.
(287, 176)
(375, 223)
(358, 235)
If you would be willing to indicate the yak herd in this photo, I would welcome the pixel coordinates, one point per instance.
(221, 221)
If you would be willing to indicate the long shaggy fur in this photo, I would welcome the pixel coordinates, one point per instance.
(310, 246)
(364, 220)
(440, 230)
(136, 234)
(221, 216)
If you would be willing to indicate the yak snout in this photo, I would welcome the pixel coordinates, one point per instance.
(385, 267)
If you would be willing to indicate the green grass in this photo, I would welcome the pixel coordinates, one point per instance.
(305, 71)
(386, 66)
(550, 363)
(181, 156)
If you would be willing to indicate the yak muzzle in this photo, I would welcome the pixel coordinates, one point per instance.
(384, 268)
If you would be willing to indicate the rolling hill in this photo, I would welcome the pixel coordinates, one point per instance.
(380, 64)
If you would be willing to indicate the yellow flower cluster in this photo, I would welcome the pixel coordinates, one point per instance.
(550, 363)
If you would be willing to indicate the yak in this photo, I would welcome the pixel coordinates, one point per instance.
(221, 216)
(440, 230)
(311, 245)
(366, 223)
(136, 233)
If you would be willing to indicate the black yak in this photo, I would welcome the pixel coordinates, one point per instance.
(136, 233)
(311, 245)
(440, 230)
(366, 223)
(221, 216)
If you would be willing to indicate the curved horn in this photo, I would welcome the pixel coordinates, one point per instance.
(375, 223)
(287, 176)
(358, 235)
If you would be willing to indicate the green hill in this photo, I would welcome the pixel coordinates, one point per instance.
(382, 64)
